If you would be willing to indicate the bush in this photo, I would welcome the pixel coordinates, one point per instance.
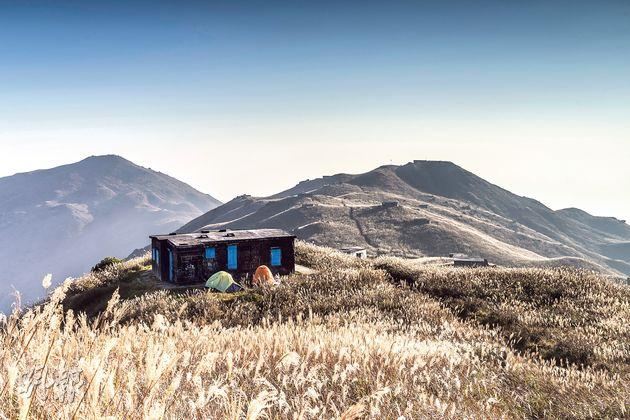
(105, 263)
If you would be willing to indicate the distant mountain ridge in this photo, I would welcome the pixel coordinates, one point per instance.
(63, 220)
(442, 209)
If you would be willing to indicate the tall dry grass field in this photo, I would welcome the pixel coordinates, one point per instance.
(377, 339)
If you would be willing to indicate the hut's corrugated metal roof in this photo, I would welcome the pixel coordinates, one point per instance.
(200, 238)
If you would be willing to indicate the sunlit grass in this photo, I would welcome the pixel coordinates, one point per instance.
(376, 339)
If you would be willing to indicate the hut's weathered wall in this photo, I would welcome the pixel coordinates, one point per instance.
(190, 264)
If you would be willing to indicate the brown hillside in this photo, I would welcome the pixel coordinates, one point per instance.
(442, 209)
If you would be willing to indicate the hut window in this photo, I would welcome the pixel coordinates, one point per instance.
(232, 263)
(211, 253)
(276, 257)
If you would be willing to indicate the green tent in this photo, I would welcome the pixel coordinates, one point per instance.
(223, 282)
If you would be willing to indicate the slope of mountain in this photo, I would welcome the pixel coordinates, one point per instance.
(63, 220)
(441, 208)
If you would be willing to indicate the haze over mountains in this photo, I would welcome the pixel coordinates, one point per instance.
(440, 209)
(64, 220)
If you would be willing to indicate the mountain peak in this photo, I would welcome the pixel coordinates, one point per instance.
(101, 205)
(434, 168)
(442, 163)
(443, 208)
(106, 158)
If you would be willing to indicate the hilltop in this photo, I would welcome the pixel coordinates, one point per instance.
(354, 339)
(441, 209)
(63, 220)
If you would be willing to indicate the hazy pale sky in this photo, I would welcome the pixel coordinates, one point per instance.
(251, 97)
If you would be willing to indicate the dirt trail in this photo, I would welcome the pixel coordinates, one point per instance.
(360, 228)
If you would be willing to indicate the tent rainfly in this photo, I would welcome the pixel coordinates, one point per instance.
(223, 282)
(263, 277)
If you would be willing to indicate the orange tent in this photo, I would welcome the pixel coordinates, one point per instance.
(263, 277)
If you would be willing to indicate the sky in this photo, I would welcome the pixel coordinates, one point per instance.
(252, 97)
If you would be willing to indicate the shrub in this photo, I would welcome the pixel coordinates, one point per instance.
(105, 263)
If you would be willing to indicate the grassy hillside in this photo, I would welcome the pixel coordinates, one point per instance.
(355, 339)
(442, 209)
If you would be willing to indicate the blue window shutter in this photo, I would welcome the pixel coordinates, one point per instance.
(211, 253)
(171, 268)
(232, 257)
(276, 257)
